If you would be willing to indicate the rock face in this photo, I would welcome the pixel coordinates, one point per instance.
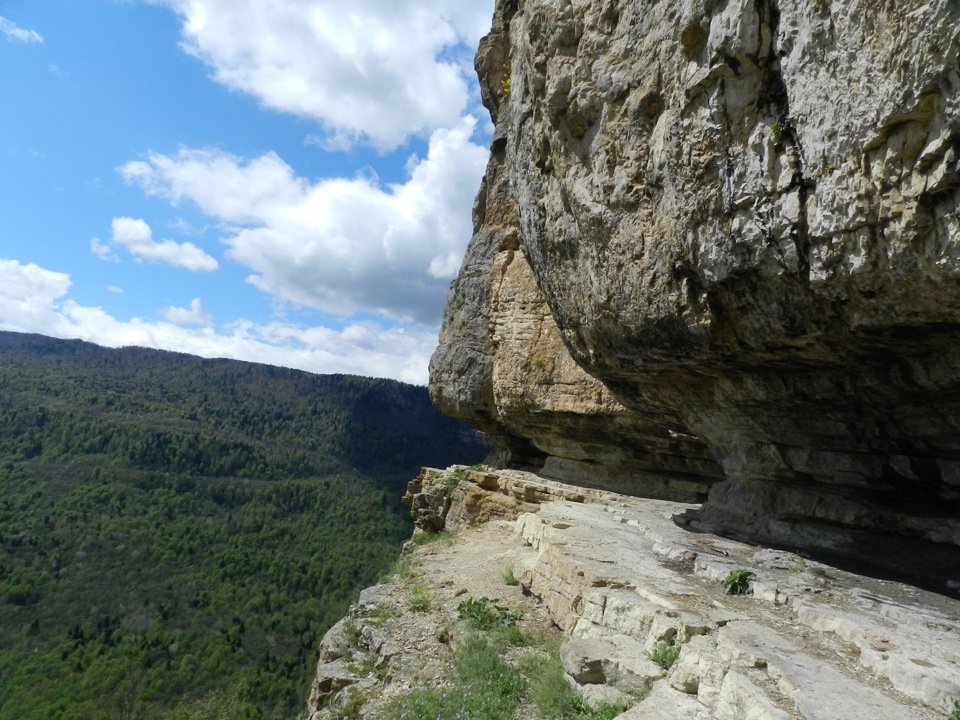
(717, 250)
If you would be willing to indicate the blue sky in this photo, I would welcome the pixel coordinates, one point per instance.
(282, 181)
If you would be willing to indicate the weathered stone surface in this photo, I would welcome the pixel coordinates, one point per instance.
(617, 574)
(719, 239)
(665, 703)
(502, 364)
(812, 642)
(331, 678)
(458, 497)
(619, 661)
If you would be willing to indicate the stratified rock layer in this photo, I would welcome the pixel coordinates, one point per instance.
(720, 241)
(620, 578)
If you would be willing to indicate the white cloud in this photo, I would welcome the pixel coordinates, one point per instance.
(32, 299)
(28, 295)
(375, 69)
(338, 245)
(13, 32)
(137, 237)
(103, 251)
(193, 315)
(115, 289)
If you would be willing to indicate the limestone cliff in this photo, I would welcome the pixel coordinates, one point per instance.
(717, 250)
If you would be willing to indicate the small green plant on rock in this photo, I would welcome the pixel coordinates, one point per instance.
(666, 652)
(509, 578)
(955, 713)
(451, 482)
(362, 667)
(420, 598)
(351, 706)
(778, 129)
(350, 637)
(738, 581)
(484, 614)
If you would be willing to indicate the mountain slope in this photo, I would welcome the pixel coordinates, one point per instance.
(172, 526)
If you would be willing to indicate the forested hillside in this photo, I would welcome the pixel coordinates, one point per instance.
(176, 531)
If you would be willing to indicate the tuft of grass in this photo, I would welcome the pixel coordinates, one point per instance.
(427, 538)
(451, 482)
(362, 667)
(512, 636)
(509, 578)
(666, 652)
(549, 689)
(378, 616)
(552, 693)
(420, 598)
(351, 707)
(402, 569)
(486, 687)
(351, 635)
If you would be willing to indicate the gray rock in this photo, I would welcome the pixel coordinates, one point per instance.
(719, 241)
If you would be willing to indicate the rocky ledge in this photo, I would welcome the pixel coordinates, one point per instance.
(638, 601)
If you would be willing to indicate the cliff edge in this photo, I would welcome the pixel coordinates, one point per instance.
(522, 597)
(716, 256)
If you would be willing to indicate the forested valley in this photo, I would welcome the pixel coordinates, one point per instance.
(177, 533)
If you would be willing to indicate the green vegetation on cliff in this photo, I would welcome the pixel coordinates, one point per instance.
(175, 530)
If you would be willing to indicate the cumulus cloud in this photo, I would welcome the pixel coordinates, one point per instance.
(337, 245)
(137, 237)
(193, 315)
(33, 299)
(378, 70)
(28, 298)
(13, 32)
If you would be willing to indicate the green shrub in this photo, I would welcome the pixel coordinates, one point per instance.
(509, 578)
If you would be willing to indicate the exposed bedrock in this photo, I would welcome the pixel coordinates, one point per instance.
(720, 241)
